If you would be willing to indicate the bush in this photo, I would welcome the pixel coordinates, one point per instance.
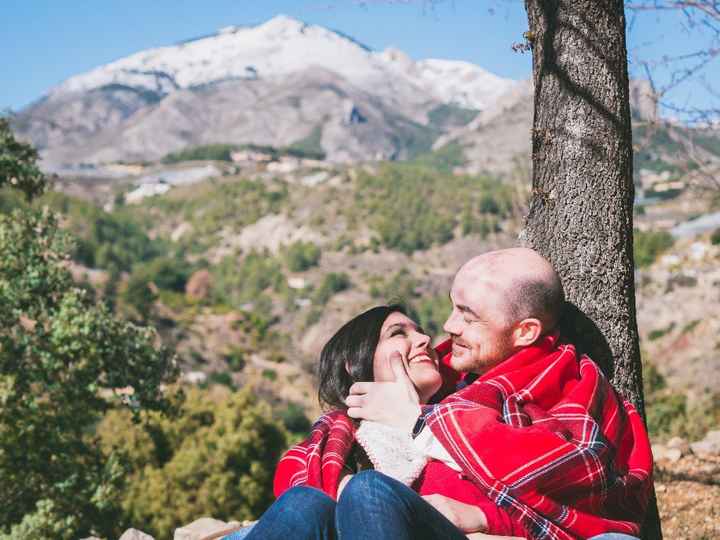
(331, 284)
(432, 312)
(661, 332)
(715, 237)
(216, 459)
(294, 419)
(301, 256)
(236, 359)
(648, 246)
(399, 288)
(239, 282)
(668, 412)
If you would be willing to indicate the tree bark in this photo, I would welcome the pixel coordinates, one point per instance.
(580, 214)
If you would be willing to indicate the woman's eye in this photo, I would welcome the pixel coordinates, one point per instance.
(398, 332)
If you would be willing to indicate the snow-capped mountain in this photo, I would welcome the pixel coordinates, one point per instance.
(278, 83)
(283, 46)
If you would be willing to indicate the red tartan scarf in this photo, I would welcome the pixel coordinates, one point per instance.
(543, 434)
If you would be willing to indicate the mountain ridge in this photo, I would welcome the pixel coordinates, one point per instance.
(256, 84)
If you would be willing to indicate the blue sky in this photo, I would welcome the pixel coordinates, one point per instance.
(46, 41)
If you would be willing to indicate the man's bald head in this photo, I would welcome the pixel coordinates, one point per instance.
(527, 283)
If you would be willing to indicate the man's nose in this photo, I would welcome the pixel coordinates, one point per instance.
(451, 325)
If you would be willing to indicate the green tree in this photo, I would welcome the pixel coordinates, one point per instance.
(18, 163)
(61, 359)
(217, 458)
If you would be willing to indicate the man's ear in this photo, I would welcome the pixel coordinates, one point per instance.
(527, 332)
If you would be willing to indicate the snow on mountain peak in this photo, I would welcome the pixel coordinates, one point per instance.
(281, 46)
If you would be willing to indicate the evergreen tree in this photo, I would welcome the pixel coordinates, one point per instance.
(63, 360)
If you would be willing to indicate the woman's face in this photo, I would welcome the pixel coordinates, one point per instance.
(400, 334)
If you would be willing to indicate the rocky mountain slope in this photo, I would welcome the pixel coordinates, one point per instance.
(277, 83)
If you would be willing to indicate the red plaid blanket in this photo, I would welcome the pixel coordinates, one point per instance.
(543, 435)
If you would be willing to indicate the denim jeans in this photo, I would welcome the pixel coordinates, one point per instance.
(613, 536)
(372, 507)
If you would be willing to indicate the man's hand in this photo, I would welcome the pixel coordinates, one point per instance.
(394, 404)
(466, 517)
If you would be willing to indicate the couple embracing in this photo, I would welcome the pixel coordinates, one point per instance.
(501, 431)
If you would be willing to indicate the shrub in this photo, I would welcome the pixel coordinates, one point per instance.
(217, 459)
(660, 332)
(236, 359)
(715, 237)
(301, 256)
(331, 284)
(432, 312)
(647, 246)
(294, 419)
(398, 288)
(238, 282)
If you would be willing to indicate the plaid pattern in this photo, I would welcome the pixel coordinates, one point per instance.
(543, 435)
(546, 437)
(319, 460)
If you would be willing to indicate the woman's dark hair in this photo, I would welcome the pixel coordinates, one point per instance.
(352, 346)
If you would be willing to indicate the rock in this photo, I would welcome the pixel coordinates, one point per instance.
(206, 529)
(680, 444)
(661, 453)
(198, 286)
(709, 446)
(134, 534)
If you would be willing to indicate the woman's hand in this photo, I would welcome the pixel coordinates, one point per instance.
(466, 517)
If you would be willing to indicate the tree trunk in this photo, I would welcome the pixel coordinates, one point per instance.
(581, 209)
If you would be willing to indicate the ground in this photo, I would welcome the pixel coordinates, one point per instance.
(688, 493)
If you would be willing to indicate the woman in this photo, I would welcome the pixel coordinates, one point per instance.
(365, 349)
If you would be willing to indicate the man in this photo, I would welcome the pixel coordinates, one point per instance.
(538, 428)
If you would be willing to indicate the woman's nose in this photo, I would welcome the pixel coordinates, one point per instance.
(421, 340)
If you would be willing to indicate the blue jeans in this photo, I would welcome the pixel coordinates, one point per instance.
(372, 507)
(613, 536)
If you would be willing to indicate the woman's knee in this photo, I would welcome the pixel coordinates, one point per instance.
(306, 498)
(370, 486)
